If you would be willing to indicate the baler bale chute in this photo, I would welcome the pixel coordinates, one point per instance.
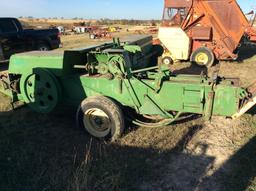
(121, 80)
(203, 30)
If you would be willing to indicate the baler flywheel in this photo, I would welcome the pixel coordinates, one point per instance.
(40, 90)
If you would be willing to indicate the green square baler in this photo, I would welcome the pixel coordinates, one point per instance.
(116, 81)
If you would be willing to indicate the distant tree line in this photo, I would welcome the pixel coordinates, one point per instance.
(127, 22)
(105, 21)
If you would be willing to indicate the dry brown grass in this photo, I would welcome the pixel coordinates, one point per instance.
(82, 40)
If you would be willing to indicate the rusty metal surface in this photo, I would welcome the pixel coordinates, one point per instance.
(228, 16)
(228, 23)
(178, 3)
(251, 32)
(225, 18)
(202, 33)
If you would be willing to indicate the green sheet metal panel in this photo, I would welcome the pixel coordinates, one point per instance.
(226, 100)
(171, 97)
(25, 63)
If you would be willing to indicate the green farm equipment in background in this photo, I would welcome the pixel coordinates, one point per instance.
(118, 80)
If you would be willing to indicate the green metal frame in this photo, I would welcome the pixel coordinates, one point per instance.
(127, 74)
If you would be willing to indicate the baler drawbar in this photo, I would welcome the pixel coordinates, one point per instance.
(118, 80)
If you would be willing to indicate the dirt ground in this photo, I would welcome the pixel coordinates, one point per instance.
(48, 152)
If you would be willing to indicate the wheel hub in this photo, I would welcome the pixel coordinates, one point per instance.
(202, 58)
(40, 91)
(97, 122)
(167, 62)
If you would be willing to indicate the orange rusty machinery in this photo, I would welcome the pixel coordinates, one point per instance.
(218, 26)
(251, 31)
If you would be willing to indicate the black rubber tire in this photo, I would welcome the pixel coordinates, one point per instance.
(208, 52)
(167, 60)
(1, 53)
(110, 108)
(43, 47)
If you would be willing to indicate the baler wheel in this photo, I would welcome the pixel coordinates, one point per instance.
(203, 56)
(92, 36)
(40, 90)
(43, 47)
(167, 60)
(101, 117)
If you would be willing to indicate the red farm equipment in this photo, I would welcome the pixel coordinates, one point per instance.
(203, 30)
(100, 33)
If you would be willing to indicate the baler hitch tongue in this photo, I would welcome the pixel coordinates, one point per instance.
(249, 104)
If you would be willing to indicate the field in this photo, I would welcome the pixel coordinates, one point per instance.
(82, 40)
(48, 153)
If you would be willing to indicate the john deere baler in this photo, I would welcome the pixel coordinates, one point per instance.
(114, 81)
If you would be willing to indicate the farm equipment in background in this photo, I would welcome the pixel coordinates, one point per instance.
(144, 30)
(114, 29)
(103, 32)
(251, 31)
(84, 29)
(63, 30)
(147, 30)
(100, 33)
(96, 32)
(114, 81)
(203, 30)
